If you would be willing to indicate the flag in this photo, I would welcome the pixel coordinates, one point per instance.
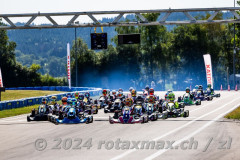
(1, 82)
(208, 67)
(69, 65)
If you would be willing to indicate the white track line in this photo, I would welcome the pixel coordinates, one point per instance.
(175, 130)
(190, 135)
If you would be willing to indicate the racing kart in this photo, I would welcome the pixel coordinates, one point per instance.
(41, 114)
(91, 109)
(117, 105)
(102, 102)
(172, 111)
(210, 92)
(72, 117)
(202, 97)
(127, 118)
(188, 100)
(151, 111)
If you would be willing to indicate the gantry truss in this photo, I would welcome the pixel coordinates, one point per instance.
(163, 20)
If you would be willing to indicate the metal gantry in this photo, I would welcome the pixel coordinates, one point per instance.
(116, 21)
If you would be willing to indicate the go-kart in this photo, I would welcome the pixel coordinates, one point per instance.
(210, 92)
(110, 108)
(102, 102)
(172, 111)
(73, 117)
(91, 109)
(202, 97)
(188, 100)
(126, 117)
(41, 114)
(151, 111)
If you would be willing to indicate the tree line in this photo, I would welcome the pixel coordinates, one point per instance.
(171, 58)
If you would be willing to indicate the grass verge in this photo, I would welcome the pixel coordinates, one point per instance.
(19, 94)
(235, 114)
(17, 111)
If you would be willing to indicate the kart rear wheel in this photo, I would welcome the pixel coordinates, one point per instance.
(105, 111)
(28, 118)
(110, 120)
(186, 113)
(55, 122)
(91, 121)
(143, 120)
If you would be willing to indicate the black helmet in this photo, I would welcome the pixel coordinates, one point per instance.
(147, 87)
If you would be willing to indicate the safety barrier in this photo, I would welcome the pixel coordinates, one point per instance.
(37, 100)
(53, 88)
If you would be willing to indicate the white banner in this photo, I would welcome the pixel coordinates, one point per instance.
(1, 82)
(69, 65)
(208, 67)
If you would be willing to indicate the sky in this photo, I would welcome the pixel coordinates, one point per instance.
(50, 6)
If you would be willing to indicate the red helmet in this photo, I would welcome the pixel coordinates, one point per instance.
(151, 91)
(104, 92)
(151, 99)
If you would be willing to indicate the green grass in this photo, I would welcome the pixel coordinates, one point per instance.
(19, 94)
(234, 114)
(17, 111)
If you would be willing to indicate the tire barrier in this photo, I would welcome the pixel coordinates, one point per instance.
(37, 100)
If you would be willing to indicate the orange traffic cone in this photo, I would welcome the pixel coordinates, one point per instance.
(236, 88)
(228, 87)
(221, 88)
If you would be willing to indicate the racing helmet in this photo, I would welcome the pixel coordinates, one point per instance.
(81, 97)
(128, 102)
(171, 96)
(187, 90)
(74, 101)
(133, 93)
(64, 100)
(108, 92)
(151, 99)
(76, 94)
(53, 99)
(44, 100)
(200, 87)
(69, 95)
(120, 90)
(104, 92)
(196, 87)
(145, 93)
(169, 91)
(209, 86)
(114, 92)
(151, 91)
(87, 94)
(69, 101)
(120, 94)
(130, 89)
(147, 88)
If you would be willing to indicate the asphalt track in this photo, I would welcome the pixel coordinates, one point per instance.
(209, 136)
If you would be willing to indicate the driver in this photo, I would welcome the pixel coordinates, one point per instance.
(188, 92)
(171, 97)
(129, 102)
(134, 95)
(87, 96)
(166, 95)
(147, 89)
(76, 94)
(209, 86)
